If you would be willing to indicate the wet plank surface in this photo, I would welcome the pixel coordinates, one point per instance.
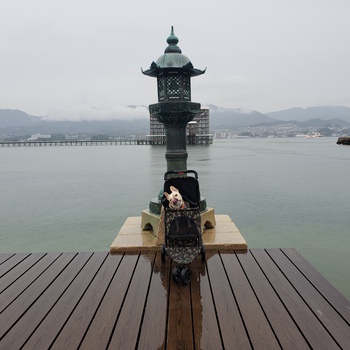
(258, 299)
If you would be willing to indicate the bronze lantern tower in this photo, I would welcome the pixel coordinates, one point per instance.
(174, 109)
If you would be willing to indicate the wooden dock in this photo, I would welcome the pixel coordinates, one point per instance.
(258, 299)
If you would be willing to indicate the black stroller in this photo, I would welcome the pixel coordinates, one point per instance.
(182, 235)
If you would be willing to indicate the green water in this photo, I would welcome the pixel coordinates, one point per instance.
(279, 192)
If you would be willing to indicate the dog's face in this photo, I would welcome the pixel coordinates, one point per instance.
(174, 198)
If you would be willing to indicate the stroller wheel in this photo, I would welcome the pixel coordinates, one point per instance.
(163, 254)
(177, 274)
(203, 253)
(186, 275)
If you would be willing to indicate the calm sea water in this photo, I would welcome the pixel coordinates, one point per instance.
(279, 193)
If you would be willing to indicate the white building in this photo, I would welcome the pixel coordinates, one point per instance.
(37, 137)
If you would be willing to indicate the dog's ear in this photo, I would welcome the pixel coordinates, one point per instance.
(167, 195)
(173, 189)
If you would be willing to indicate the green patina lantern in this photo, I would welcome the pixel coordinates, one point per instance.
(174, 109)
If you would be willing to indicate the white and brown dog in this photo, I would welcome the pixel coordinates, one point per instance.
(175, 199)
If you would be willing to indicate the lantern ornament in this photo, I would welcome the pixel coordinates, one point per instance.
(174, 109)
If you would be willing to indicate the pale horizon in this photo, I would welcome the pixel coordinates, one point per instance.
(74, 58)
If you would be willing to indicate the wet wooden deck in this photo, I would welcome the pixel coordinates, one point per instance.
(260, 299)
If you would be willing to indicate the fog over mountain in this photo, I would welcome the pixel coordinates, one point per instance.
(236, 117)
(14, 117)
(136, 118)
(304, 114)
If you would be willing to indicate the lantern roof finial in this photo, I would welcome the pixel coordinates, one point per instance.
(172, 41)
(172, 59)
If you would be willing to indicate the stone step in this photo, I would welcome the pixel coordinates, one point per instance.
(131, 237)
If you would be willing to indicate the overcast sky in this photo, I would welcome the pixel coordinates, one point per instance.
(70, 59)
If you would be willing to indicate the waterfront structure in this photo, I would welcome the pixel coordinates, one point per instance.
(174, 110)
(197, 130)
(345, 140)
(75, 143)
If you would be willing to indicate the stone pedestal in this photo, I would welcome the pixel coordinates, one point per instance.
(225, 235)
(154, 222)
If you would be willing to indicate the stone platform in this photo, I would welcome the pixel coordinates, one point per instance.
(131, 237)
(154, 222)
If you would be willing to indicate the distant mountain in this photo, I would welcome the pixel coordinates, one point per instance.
(115, 127)
(236, 117)
(18, 123)
(304, 114)
(14, 117)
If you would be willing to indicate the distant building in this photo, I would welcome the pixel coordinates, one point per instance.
(197, 130)
(71, 137)
(37, 137)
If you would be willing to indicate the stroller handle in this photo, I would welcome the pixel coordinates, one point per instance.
(180, 172)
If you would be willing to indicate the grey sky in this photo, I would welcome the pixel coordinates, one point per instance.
(83, 58)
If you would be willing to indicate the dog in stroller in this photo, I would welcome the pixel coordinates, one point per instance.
(182, 235)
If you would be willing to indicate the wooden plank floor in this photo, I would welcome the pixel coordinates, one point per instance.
(259, 299)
